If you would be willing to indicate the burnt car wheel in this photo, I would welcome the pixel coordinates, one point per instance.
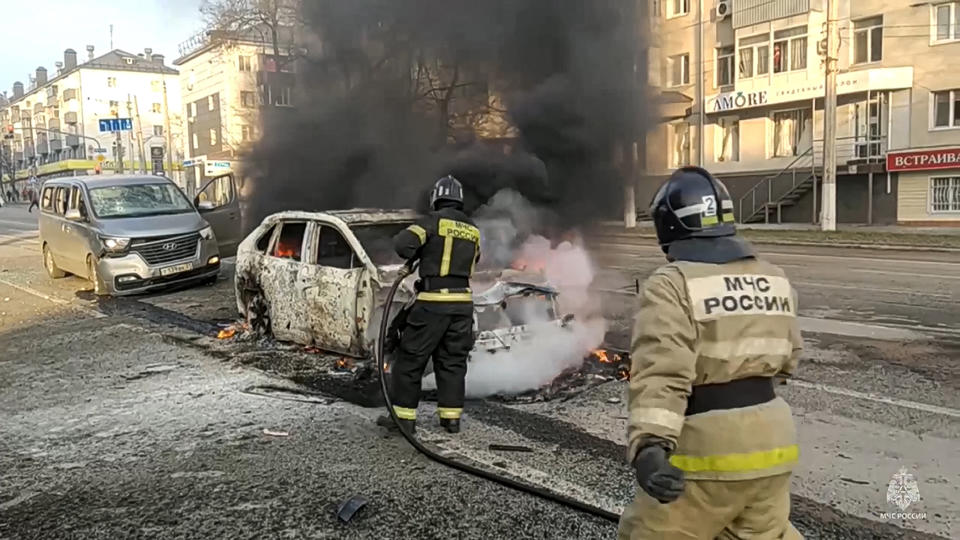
(50, 265)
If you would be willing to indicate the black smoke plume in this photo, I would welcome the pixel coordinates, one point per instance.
(392, 94)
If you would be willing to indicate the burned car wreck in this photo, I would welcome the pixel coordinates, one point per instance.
(320, 279)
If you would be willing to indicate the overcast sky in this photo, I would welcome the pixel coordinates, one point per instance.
(36, 32)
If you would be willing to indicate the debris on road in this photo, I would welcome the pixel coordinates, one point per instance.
(349, 507)
(272, 433)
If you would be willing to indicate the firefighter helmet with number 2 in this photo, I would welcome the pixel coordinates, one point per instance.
(447, 188)
(692, 204)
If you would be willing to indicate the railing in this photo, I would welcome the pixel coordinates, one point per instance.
(773, 188)
(805, 162)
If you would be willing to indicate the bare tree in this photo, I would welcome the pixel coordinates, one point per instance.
(274, 20)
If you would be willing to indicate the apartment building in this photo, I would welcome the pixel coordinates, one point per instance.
(756, 116)
(56, 117)
(226, 81)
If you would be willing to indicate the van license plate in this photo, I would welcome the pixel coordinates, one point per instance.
(176, 269)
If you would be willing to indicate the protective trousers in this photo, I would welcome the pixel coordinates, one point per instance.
(757, 509)
(445, 333)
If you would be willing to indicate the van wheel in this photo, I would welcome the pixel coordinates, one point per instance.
(94, 276)
(50, 265)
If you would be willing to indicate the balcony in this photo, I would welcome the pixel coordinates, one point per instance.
(53, 124)
(43, 148)
(750, 12)
(18, 156)
(28, 152)
(38, 108)
(56, 145)
(73, 141)
(52, 101)
(70, 117)
(69, 93)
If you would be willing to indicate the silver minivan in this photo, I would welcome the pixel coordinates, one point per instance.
(134, 234)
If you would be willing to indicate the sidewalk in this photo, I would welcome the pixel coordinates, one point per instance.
(893, 237)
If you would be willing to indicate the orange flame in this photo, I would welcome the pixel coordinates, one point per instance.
(605, 358)
(344, 363)
(226, 333)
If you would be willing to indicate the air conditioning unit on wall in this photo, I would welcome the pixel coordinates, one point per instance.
(722, 11)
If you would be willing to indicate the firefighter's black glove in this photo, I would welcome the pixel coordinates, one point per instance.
(656, 475)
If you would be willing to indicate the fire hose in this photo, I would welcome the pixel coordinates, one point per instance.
(463, 467)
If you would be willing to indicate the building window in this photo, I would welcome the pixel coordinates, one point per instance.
(213, 137)
(793, 132)
(724, 66)
(283, 97)
(676, 8)
(246, 133)
(945, 194)
(679, 67)
(679, 144)
(193, 110)
(946, 22)
(156, 108)
(868, 40)
(111, 82)
(158, 131)
(211, 103)
(248, 99)
(196, 141)
(728, 139)
(246, 63)
(790, 49)
(754, 56)
(946, 109)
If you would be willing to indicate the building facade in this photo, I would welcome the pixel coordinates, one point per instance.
(52, 126)
(753, 71)
(226, 82)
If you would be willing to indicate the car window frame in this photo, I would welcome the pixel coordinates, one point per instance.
(304, 245)
(50, 191)
(314, 255)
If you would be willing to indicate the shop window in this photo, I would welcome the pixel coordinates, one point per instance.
(945, 194)
(868, 40)
(793, 132)
(290, 242)
(728, 139)
(679, 144)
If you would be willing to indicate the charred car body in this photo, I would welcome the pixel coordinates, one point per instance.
(321, 278)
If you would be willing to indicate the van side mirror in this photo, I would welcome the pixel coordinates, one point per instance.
(204, 205)
(73, 214)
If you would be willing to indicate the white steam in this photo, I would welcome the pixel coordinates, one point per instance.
(506, 223)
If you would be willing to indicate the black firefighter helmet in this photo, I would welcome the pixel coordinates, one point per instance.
(692, 204)
(447, 188)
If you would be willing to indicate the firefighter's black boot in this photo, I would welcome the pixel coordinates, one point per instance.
(452, 425)
(410, 426)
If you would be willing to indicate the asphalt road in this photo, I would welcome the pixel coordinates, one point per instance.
(126, 419)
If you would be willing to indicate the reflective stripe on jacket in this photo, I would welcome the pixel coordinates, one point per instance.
(708, 324)
(447, 244)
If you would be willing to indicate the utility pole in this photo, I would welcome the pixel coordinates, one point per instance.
(828, 219)
(166, 129)
(143, 159)
(701, 106)
(119, 144)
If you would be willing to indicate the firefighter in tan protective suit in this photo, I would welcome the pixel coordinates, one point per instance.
(713, 447)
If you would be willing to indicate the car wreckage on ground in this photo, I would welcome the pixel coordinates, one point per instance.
(320, 279)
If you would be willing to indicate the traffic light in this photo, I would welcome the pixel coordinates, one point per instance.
(8, 132)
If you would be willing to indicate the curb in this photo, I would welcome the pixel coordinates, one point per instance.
(800, 243)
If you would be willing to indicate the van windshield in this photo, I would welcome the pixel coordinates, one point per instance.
(138, 200)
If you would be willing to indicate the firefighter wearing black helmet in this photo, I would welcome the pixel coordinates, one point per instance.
(440, 323)
(712, 445)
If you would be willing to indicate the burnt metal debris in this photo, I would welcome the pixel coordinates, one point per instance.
(350, 507)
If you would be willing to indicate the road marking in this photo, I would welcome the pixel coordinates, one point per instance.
(901, 274)
(935, 409)
(55, 300)
(874, 289)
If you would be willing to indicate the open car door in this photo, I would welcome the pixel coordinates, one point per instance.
(219, 204)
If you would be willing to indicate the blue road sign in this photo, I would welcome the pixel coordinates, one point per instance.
(115, 124)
